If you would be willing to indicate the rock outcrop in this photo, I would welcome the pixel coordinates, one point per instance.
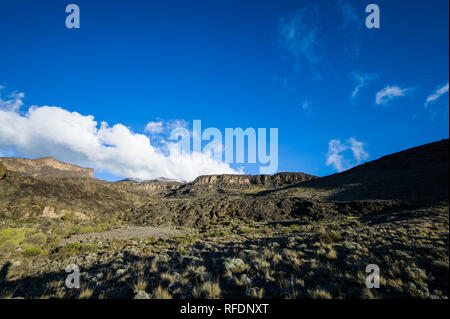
(264, 180)
(45, 167)
(153, 187)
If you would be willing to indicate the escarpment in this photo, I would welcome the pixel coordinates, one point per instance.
(265, 180)
(45, 167)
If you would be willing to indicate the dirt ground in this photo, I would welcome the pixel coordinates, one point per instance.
(127, 232)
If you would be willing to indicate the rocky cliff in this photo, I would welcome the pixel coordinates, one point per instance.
(45, 167)
(148, 186)
(263, 180)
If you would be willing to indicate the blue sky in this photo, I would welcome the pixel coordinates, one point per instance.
(309, 68)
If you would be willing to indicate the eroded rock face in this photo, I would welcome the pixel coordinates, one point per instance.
(266, 180)
(51, 212)
(45, 167)
(155, 187)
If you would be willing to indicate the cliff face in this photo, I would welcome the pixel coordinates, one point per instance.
(45, 167)
(264, 180)
(155, 187)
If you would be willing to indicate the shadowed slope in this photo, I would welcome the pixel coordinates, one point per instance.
(419, 174)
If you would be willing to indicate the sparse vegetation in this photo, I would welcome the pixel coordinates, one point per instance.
(240, 241)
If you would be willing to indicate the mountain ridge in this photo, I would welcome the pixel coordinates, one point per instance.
(45, 167)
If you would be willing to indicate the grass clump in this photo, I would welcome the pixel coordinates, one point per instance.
(328, 237)
(33, 251)
(207, 290)
(75, 249)
(319, 293)
(161, 293)
(254, 190)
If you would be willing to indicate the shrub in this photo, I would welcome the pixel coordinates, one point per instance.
(75, 248)
(33, 251)
(37, 239)
(12, 238)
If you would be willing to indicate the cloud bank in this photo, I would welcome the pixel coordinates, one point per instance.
(337, 151)
(80, 139)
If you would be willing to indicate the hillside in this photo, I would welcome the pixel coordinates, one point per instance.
(289, 235)
(411, 178)
(419, 174)
(45, 167)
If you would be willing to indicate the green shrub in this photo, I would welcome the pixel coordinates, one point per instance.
(245, 230)
(37, 239)
(33, 251)
(12, 238)
(75, 249)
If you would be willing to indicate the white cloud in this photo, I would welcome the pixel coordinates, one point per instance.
(390, 92)
(14, 102)
(334, 157)
(437, 94)
(357, 147)
(78, 139)
(336, 154)
(361, 81)
(299, 36)
(154, 127)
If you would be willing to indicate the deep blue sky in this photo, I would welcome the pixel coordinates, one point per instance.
(227, 63)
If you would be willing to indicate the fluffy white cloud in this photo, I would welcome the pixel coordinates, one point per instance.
(154, 127)
(389, 93)
(357, 147)
(79, 139)
(437, 94)
(336, 154)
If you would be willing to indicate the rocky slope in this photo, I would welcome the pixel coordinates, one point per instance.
(419, 174)
(279, 179)
(412, 178)
(45, 167)
(281, 236)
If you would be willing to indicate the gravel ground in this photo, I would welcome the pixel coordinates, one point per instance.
(128, 232)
